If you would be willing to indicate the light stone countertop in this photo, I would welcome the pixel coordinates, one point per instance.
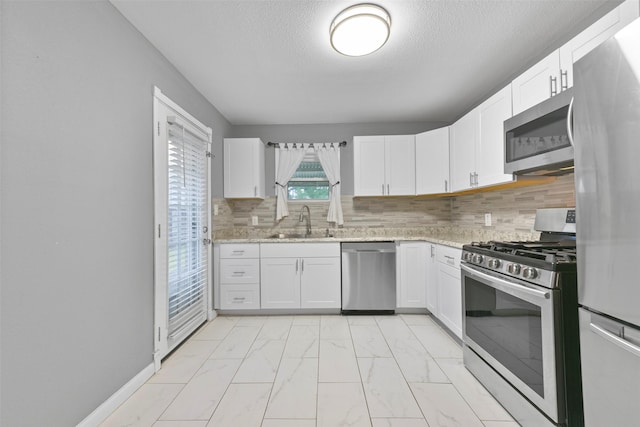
(444, 235)
(453, 243)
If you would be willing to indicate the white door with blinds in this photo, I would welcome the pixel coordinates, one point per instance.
(182, 150)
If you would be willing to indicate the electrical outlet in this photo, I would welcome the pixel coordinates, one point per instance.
(215, 210)
(487, 219)
(254, 220)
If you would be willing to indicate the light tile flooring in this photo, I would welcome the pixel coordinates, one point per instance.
(314, 371)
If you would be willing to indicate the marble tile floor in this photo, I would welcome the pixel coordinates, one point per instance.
(314, 371)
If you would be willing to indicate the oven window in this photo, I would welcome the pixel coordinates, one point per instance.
(508, 328)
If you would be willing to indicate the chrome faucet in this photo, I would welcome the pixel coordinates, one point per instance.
(302, 216)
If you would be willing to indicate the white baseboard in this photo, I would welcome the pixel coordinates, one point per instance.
(118, 398)
(212, 315)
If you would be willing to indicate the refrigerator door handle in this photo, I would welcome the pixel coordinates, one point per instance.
(611, 337)
(569, 123)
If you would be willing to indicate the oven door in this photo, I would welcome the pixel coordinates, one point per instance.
(511, 325)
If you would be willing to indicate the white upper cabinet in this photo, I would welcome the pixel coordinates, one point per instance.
(490, 149)
(463, 140)
(538, 83)
(477, 144)
(400, 166)
(590, 38)
(555, 72)
(432, 161)
(243, 168)
(384, 165)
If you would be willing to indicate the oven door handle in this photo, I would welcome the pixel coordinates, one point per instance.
(503, 285)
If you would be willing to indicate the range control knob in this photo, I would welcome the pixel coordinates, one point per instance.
(467, 256)
(495, 263)
(529, 273)
(513, 268)
(478, 259)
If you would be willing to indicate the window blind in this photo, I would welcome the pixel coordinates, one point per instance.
(187, 219)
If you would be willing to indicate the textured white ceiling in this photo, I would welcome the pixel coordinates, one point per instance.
(270, 61)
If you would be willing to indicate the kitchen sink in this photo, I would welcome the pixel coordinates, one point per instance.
(289, 236)
(299, 236)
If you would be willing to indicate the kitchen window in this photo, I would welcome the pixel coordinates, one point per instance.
(309, 182)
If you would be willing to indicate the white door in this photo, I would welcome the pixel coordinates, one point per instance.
(400, 165)
(432, 281)
(280, 283)
(432, 162)
(593, 36)
(368, 166)
(538, 83)
(450, 298)
(462, 146)
(490, 148)
(411, 262)
(320, 283)
(182, 226)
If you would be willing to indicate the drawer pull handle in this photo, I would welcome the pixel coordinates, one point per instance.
(239, 298)
(238, 273)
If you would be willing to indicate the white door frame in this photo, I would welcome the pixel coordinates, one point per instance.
(163, 107)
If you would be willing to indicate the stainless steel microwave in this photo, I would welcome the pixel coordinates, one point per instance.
(538, 141)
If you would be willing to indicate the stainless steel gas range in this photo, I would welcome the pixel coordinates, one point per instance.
(520, 322)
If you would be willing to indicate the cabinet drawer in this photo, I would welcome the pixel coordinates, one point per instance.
(239, 297)
(240, 250)
(298, 250)
(239, 271)
(448, 255)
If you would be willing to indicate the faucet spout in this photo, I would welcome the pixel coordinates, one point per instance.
(302, 216)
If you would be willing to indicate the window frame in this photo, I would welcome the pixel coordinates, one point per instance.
(306, 201)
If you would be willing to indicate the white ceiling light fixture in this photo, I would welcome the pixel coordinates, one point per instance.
(360, 30)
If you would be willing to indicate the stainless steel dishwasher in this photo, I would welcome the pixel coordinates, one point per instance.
(369, 278)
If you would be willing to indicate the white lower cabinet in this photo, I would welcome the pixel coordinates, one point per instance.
(305, 275)
(432, 280)
(411, 274)
(444, 286)
(237, 276)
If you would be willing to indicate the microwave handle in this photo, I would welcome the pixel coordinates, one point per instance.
(569, 125)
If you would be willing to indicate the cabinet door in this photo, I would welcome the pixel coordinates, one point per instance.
(590, 38)
(320, 283)
(450, 298)
(463, 145)
(490, 149)
(537, 83)
(432, 161)
(400, 165)
(243, 168)
(432, 281)
(280, 283)
(368, 166)
(411, 259)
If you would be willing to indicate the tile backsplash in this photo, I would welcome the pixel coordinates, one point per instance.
(512, 210)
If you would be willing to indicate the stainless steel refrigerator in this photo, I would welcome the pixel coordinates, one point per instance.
(606, 119)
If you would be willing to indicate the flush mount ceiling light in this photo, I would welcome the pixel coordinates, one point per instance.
(360, 29)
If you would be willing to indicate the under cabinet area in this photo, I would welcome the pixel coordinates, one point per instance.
(300, 275)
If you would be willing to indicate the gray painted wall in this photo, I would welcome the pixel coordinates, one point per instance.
(77, 205)
(325, 133)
